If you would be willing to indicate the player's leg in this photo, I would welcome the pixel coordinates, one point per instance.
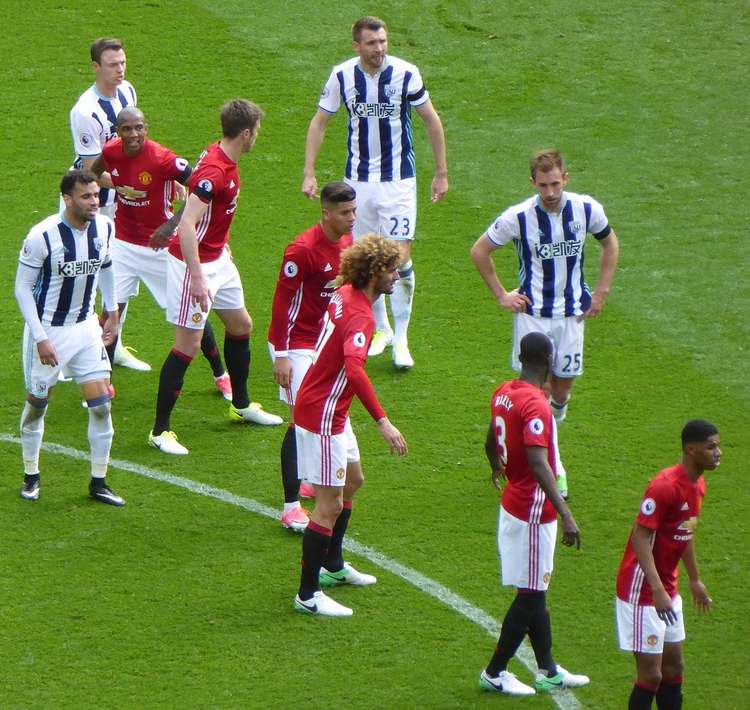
(398, 215)
(320, 458)
(669, 695)
(367, 222)
(171, 378)
(210, 351)
(567, 335)
(100, 433)
(32, 432)
(293, 516)
(130, 263)
(641, 632)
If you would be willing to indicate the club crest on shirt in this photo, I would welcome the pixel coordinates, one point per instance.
(290, 269)
(390, 90)
(536, 426)
(145, 177)
(648, 506)
(340, 474)
(197, 317)
(574, 227)
(651, 640)
(98, 243)
(359, 339)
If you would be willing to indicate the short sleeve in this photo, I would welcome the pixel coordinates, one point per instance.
(504, 229)
(536, 422)
(206, 183)
(415, 91)
(87, 135)
(598, 224)
(330, 96)
(33, 251)
(655, 503)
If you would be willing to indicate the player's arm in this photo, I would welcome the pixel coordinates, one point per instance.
(697, 588)
(103, 178)
(109, 303)
(496, 465)
(607, 265)
(180, 171)
(481, 255)
(537, 458)
(98, 167)
(26, 278)
(194, 210)
(640, 538)
(316, 131)
(434, 127)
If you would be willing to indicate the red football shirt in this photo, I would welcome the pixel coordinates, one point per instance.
(304, 288)
(338, 373)
(670, 508)
(145, 187)
(521, 417)
(216, 182)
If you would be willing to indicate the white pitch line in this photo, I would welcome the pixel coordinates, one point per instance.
(565, 700)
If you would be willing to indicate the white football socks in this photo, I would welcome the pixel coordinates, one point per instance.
(32, 431)
(381, 315)
(401, 302)
(100, 435)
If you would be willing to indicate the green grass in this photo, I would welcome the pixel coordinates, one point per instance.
(181, 600)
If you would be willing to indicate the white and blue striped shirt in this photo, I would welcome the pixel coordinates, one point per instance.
(550, 251)
(380, 145)
(68, 261)
(93, 121)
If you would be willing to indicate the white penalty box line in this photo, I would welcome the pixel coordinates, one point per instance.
(565, 700)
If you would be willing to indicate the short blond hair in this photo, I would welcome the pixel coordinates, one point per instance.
(367, 257)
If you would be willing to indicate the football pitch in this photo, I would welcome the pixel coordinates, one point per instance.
(183, 598)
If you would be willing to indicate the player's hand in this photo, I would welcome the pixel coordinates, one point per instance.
(392, 436)
(110, 326)
(571, 533)
(180, 193)
(47, 353)
(663, 606)
(200, 294)
(597, 303)
(160, 238)
(514, 301)
(497, 475)
(439, 187)
(310, 187)
(282, 371)
(700, 595)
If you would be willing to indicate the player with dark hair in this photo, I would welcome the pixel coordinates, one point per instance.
(549, 231)
(378, 92)
(328, 455)
(62, 261)
(650, 623)
(144, 174)
(306, 281)
(93, 122)
(521, 447)
(201, 275)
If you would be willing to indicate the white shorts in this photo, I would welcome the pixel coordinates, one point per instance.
(301, 361)
(134, 263)
(79, 350)
(322, 458)
(527, 551)
(387, 208)
(221, 277)
(640, 629)
(566, 335)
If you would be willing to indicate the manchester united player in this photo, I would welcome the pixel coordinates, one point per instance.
(144, 174)
(521, 447)
(202, 275)
(306, 279)
(326, 445)
(649, 609)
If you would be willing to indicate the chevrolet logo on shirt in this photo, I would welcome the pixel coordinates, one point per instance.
(130, 193)
(556, 249)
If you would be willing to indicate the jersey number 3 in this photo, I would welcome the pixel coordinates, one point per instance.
(500, 429)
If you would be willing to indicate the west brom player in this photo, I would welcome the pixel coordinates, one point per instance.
(306, 281)
(201, 275)
(649, 608)
(93, 122)
(327, 449)
(378, 92)
(548, 232)
(521, 448)
(144, 174)
(62, 260)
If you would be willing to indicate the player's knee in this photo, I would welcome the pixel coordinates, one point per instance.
(33, 413)
(672, 668)
(100, 407)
